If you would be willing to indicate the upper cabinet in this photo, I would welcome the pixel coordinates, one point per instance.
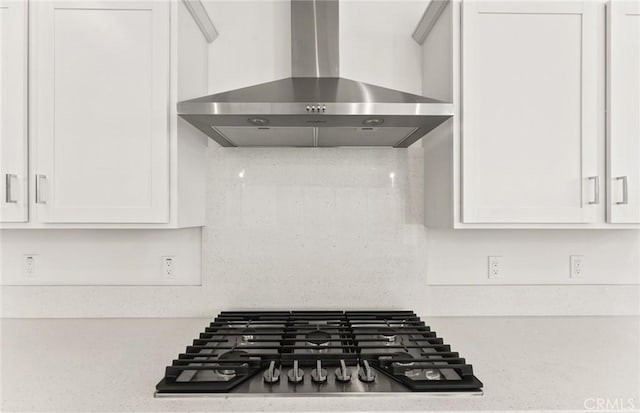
(530, 112)
(106, 146)
(100, 90)
(623, 121)
(13, 111)
(526, 147)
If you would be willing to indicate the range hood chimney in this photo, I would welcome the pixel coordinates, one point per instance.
(315, 107)
(315, 38)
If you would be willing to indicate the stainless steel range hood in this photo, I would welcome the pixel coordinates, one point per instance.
(315, 107)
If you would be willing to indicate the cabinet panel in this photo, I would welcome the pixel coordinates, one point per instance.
(530, 112)
(13, 111)
(624, 112)
(101, 72)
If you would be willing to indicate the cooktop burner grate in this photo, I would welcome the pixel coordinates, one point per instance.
(318, 352)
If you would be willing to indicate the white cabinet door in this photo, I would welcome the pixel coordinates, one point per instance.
(13, 111)
(100, 91)
(624, 111)
(530, 112)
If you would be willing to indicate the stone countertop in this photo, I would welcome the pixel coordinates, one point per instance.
(526, 363)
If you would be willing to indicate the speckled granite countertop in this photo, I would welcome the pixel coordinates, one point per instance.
(526, 363)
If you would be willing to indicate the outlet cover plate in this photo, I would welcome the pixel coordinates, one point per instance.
(577, 266)
(168, 267)
(30, 265)
(494, 267)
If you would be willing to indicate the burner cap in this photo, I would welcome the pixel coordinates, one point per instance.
(387, 333)
(401, 355)
(233, 354)
(318, 338)
(228, 368)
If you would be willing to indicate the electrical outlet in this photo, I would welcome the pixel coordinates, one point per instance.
(168, 267)
(577, 266)
(30, 265)
(494, 267)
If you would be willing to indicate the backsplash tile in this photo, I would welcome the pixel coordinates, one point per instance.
(335, 225)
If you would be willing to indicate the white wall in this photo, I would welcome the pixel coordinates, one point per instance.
(100, 257)
(322, 228)
(376, 45)
(254, 45)
(611, 257)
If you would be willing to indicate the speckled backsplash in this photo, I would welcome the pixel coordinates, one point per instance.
(317, 227)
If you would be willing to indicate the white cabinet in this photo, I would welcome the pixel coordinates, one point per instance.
(623, 147)
(13, 111)
(526, 147)
(100, 89)
(106, 147)
(530, 112)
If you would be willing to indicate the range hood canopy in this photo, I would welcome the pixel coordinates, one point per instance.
(315, 107)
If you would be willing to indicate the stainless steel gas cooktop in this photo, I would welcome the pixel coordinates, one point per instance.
(309, 353)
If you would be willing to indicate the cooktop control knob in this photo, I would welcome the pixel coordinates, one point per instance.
(295, 375)
(272, 375)
(319, 375)
(342, 373)
(366, 373)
